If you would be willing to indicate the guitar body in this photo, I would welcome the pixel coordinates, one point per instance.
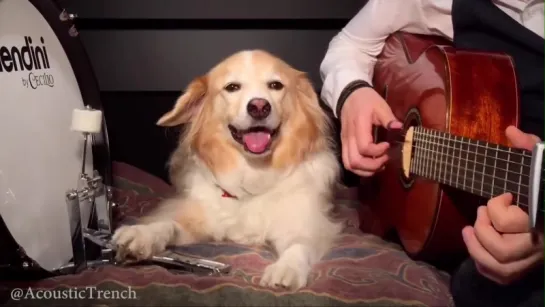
(427, 82)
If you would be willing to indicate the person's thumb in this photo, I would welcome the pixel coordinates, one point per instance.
(385, 117)
(520, 139)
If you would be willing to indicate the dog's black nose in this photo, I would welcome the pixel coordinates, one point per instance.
(258, 108)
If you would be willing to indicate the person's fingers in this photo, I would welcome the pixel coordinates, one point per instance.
(489, 238)
(374, 150)
(504, 248)
(357, 161)
(481, 257)
(520, 139)
(474, 247)
(345, 130)
(364, 138)
(384, 116)
(508, 273)
(364, 130)
(490, 267)
(505, 217)
(359, 152)
(395, 124)
(374, 164)
(363, 154)
(346, 161)
(354, 157)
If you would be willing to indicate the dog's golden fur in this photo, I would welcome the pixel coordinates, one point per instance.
(281, 196)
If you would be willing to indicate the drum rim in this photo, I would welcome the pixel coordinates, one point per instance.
(86, 79)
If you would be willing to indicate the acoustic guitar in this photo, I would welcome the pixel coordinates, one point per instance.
(452, 151)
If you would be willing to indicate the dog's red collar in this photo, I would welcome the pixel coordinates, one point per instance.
(227, 194)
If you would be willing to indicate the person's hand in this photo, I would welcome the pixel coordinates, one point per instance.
(501, 242)
(363, 109)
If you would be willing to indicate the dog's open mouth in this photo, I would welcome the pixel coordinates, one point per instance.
(256, 140)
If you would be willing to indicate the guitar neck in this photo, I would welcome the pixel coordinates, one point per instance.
(476, 167)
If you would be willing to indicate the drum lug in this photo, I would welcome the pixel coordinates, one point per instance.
(69, 17)
(65, 16)
(73, 32)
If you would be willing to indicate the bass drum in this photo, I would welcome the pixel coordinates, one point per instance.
(44, 75)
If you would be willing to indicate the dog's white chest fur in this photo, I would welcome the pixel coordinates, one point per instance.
(261, 200)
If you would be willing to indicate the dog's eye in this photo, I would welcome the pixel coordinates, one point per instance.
(232, 87)
(275, 85)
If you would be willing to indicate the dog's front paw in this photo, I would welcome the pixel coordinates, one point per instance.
(284, 275)
(138, 242)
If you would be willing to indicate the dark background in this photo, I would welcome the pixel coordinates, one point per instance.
(145, 52)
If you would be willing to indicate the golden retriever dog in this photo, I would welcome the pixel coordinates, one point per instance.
(255, 166)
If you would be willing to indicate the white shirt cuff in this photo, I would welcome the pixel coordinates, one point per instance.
(336, 82)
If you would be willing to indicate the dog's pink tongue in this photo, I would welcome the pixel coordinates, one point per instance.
(256, 142)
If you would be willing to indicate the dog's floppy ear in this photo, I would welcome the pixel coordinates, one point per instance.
(187, 106)
(308, 101)
(305, 90)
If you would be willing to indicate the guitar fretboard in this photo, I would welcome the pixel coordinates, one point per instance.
(473, 166)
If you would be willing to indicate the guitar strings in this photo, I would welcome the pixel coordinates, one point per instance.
(424, 136)
(456, 139)
(444, 171)
(486, 193)
(467, 152)
(434, 155)
(442, 154)
(424, 154)
(435, 151)
(483, 193)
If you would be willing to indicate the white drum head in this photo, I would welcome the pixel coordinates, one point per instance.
(40, 158)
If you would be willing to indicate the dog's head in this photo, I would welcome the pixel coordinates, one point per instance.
(251, 104)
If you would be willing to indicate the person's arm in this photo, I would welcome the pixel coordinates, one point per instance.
(352, 53)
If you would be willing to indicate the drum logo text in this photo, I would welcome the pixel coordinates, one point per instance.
(28, 58)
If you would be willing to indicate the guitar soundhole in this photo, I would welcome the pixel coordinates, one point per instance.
(412, 119)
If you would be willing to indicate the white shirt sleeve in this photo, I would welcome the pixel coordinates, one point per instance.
(352, 52)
